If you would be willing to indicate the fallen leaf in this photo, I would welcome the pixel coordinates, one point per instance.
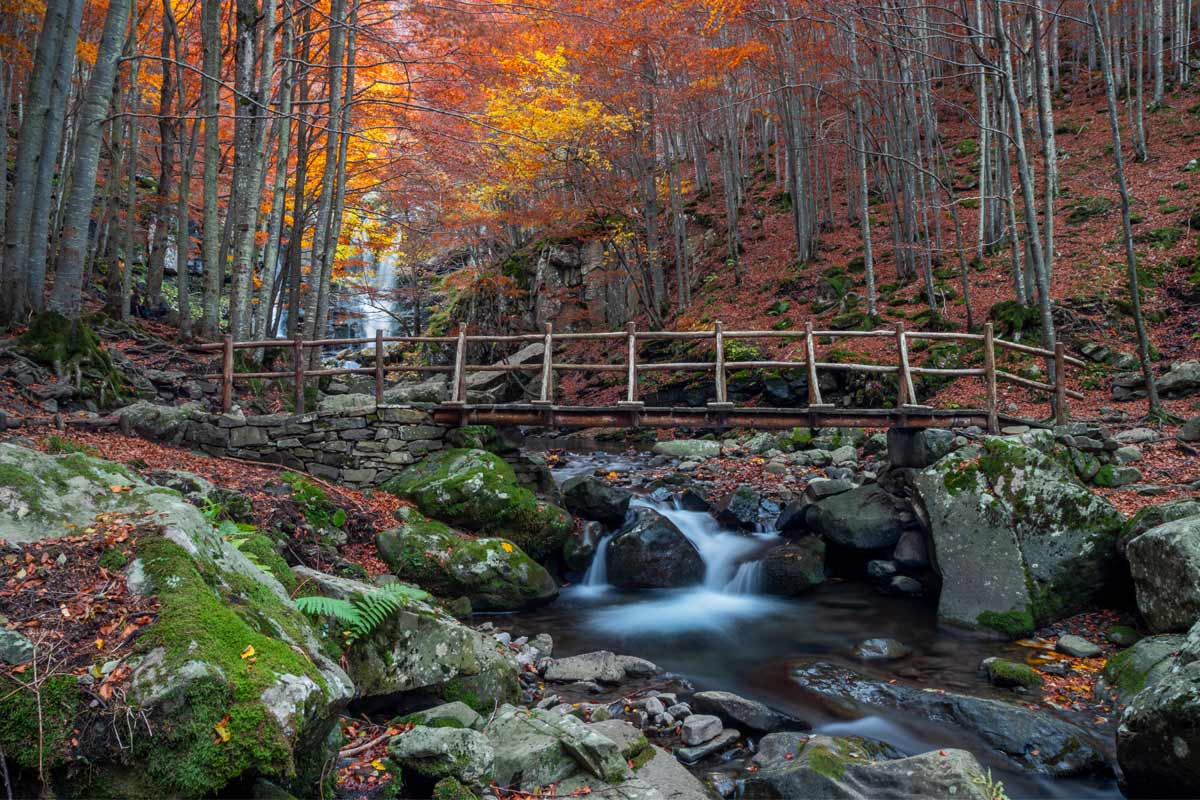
(248, 652)
(222, 729)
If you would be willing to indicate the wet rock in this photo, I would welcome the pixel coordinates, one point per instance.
(690, 755)
(1035, 740)
(1141, 666)
(689, 449)
(739, 509)
(1077, 646)
(592, 498)
(794, 568)
(691, 500)
(1010, 674)
(737, 711)
(601, 666)
(820, 488)
(798, 766)
(1165, 562)
(723, 783)
(637, 667)
(580, 547)
(1159, 737)
(911, 551)
(700, 728)
(904, 584)
(793, 518)
(866, 518)
(1010, 524)
(881, 570)
(651, 553)
(881, 650)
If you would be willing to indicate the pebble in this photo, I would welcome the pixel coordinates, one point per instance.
(881, 650)
(680, 710)
(906, 585)
(654, 706)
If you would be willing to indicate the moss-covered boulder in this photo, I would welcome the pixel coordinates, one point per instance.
(227, 683)
(1138, 667)
(1149, 517)
(1158, 740)
(477, 490)
(800, 765)
(1011, 675)
(421, 653)
(494, 573)
(1018, 540)
(1165, 563)
(435, 754)
(534, 748)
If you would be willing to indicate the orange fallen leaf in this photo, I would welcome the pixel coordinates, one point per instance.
(222, 730)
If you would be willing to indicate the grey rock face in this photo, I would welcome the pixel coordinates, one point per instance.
(737, 711)
(866, 518)
(651, 553)
(592, 498)
(1165, 562)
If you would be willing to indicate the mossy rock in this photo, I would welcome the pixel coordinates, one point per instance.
(1020, 541)
(452, 789)
(1143, 665)
(494, 573)
(70, 347)
(21, 729)
(478, 491)
(1010, 674)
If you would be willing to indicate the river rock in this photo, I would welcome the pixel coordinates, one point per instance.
(1158, 740)
(494, 573)
(739, 509)
(436, 753)
(794, 568)
(911, 551)
(1019, 541)
(1181, 380)
(580, 547)
(422, 652)
(657, 775)
(1010, 674)
(1077, 646)
(1165, 563)
(14, 648)
(794, 517)
(798, 766)
(601, 665)
(456, 714)
(651, 553)
(881, 650)
(477, 490)
(689, 449)
(737, 711)
(866, 518)
(1148, 517)
(1034, 739)
(700, 728)
(592, 498)
(1141, 666)
(690, 755)
(535, 747)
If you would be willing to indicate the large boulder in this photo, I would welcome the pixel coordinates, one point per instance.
(227, 651)
(689, 449)
(580, 547)
(852, 768)
(1036, 740)
(1165, 562)
(591, 498)
(866, 518)
(535, 748)
(737, 711)
(477, 490)
(739, 509)
(1143, 665)
(494, 573)
(795, 567)
(421, 654)
(444, 752)
(1017, 540)
(651, 553)
(1182, 379)
(1148, 517)
(1158, 740)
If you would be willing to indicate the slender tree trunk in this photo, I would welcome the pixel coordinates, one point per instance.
(168, 133)
(1135, 297)
(283, 135)
(1045, 110)
(1156, 48)
(864, 193)
(1139, 128)
(210, 39)
(67, 295)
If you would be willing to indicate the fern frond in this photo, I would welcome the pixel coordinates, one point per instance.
(343, 611)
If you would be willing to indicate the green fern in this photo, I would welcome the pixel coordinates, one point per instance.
(362, 614)
(236, 533)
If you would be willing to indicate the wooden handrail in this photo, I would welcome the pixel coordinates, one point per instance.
(547, 367)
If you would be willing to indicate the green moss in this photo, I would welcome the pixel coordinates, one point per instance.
(462, 691)
(1122, 671)
(1085, 208)
(1012, 624)
(452, 789)
(19, 721)
(825, 762)
(1010, 673)
(200, 618)
(57, 445)
(318, 511)
(28, 488)
(70, 347)
(642, 757)
(1106, 476)
(113, 559)
(262, 552)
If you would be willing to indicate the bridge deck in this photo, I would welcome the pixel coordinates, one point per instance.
(711, 416)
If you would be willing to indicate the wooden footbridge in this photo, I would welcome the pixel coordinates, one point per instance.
(719, 412)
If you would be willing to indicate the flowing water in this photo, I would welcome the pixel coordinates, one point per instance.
(723, 634)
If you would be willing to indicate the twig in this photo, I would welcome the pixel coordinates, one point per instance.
(353, 751)
(4, 771)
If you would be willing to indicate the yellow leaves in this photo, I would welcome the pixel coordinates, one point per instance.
(248, 653)
(99, 644)
(379, 765)
(222, 730)
(508, 548)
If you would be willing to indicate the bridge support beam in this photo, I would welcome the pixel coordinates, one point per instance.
(917, 448)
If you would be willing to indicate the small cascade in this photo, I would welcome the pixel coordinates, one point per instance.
(747, 579)
(596, 576)
(721, 550)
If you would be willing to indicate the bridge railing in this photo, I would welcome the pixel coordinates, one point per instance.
(632, 366)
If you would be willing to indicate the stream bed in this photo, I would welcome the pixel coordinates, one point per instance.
(724, 635)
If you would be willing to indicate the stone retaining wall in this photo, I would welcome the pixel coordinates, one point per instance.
(348, 439)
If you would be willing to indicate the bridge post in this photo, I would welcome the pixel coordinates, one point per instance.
(989, 378)
(810, 358)
(379, 367)
(722, 401)
(546, 394)
(1062, 413)
(631, 393)
(226, 373)
(458, 388)
(298, 373)
(907, 394)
